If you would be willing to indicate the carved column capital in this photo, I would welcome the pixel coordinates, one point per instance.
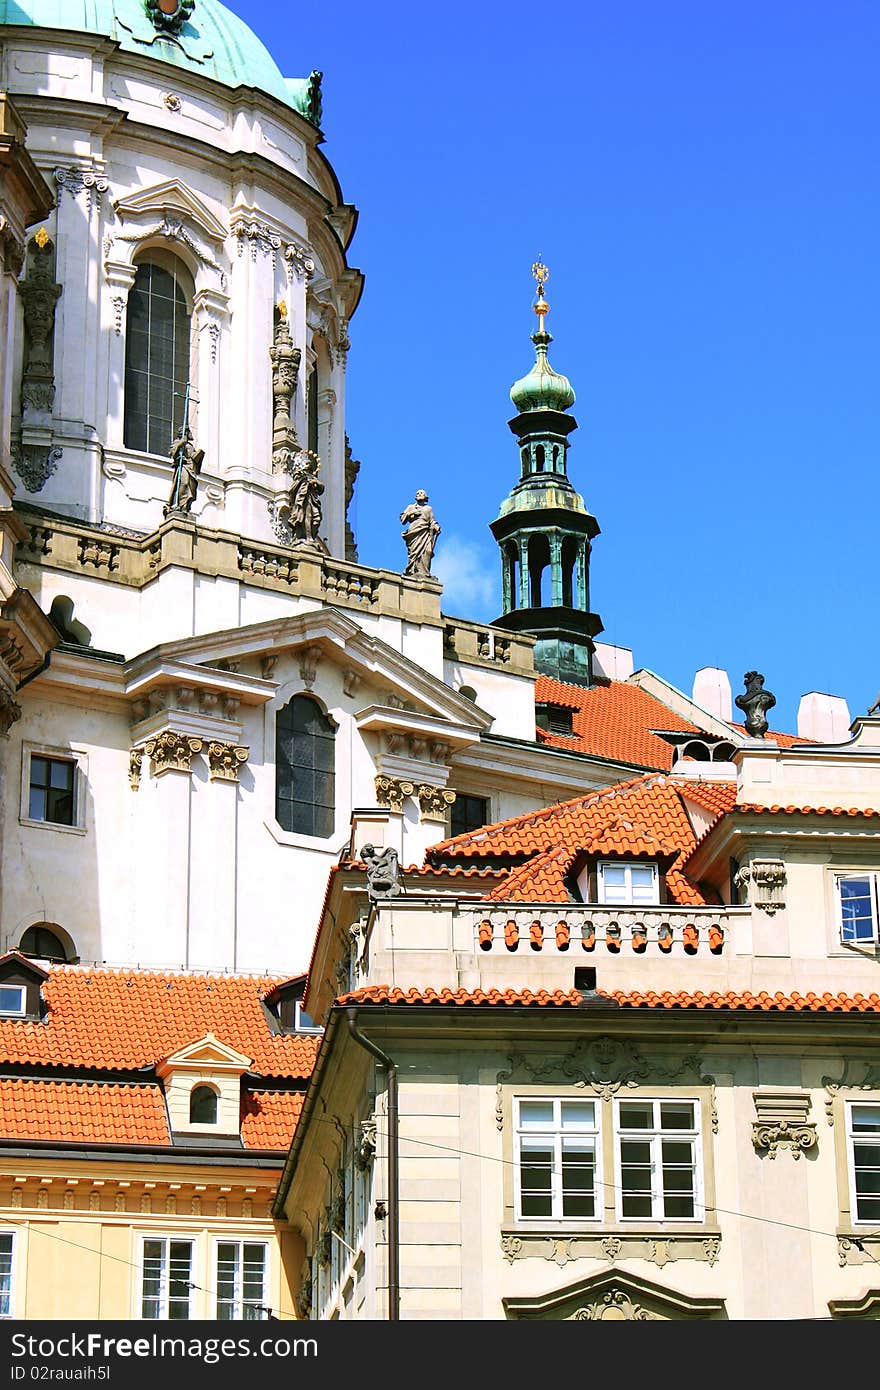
(765, 880)
(393, 791)
(434, 802)
(225, 761)
(784, 1135)
(172, 752)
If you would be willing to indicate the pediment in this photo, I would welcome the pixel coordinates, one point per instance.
(614, 1296)
(172, 196)
(206, 1054)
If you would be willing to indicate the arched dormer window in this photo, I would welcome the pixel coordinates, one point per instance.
(203, 1106)
(305, 792)
(47, 941)
(157, 352)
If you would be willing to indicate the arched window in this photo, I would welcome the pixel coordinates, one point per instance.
(305, 796)
(203, 1106)
(46, 943)
(157, 339)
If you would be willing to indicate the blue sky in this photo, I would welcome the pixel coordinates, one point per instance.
(701, 176)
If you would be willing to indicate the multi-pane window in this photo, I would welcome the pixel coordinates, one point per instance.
(305, 794)
(556, 1165)
(157, 339)
(6, 1239)
(241, 1280)
(52, 783)
(468, 813)
(857, 901)
(658, 1168)
(167, 1278)
(863, 1139)
(627, 883)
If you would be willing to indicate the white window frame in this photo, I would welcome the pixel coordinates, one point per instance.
(630, 900)
(9, 1296)
(851, 1140)
(654, 1138)
(80, 762)
(873, 878)
(238, 1299)
(21, 1011)
(554, 1135)
(166, 1241)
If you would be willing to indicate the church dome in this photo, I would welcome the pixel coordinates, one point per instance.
(542, 389)
(200, 36)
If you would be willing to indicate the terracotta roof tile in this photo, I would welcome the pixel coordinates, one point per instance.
(633, 999)
(613, 721)
(71, 1112)
(753, 808)
(128, 1019)
(268, 1118)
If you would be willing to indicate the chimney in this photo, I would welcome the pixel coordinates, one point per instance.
(712, 692)
(823, 718)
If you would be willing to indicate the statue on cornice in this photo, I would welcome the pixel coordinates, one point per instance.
(383, 872)
(420, 535)
(755, 702)
(187, 466)
(306, 508)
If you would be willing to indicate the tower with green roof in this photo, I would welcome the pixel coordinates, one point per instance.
(544, 529)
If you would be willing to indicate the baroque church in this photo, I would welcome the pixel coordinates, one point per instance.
(254, 793)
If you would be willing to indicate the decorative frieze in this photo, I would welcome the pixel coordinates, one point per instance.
(782, 1122)
(624, 1245)
(434, 802)
(392, 791)
(172, 752)
(767, 879)
(225, 761)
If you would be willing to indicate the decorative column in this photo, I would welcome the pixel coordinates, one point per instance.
(162, 807)
(247, 425)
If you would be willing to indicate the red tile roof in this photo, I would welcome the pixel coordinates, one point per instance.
(82, 1112)
(268, 1118)
(613, 721)
(753, 808)
(122, 1020)
(632, 999)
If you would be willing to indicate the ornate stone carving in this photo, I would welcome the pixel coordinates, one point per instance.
(172, 101)
(629, 1244)
(135, 759)
(299, 261)
(39, 295)
(297, 510)
(755, 702)
(869, 1082)
(10, 711)
(35, 464)
(170, 751)
(225, 761)
(325, 1247)
(351, 679)
(173, 228)
(74, 180)
(12, 245)
(768, 879)
(615, 1306)
(783, 1135)
(392, 791)
(187, 460)
(440, 751)
(611, 1248)
(383, 873)
(118, 301)
(511, 1247)
(258, 236)
(285, 359)
(366, 1149)
(309, 658)
(352, 469)
(434, 802)
(102, 555)
(420, 535)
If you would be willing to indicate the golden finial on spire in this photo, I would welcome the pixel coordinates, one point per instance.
(542, 275)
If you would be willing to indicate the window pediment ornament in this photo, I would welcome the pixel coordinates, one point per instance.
(869, 1082)
(604, 1065)
(613, 1295)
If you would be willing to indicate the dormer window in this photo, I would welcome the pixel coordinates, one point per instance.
(555, 719)
(13, 1001)
(285, 1002)
(203, 1106)
(620, 882)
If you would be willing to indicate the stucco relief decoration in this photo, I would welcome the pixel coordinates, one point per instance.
(258, 236)
(614, 1306)
(135, 761)
(225, 761)
(511, 1248)
(767, 878)
(869, 1082)
(392, 791)
(39, 295)
(172, 752)
(784, 1135)
(9, 712)
(285, 359)
(172, 101)
(75, 180)
(298, 261)
(172, 228)
(35, 464)
(605, 1065)
(434, 802)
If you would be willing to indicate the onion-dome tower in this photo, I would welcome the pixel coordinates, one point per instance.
(544, 529)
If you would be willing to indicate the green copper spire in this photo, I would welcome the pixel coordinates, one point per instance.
(543, 528)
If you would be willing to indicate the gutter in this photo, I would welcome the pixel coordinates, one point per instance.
(393, 1166)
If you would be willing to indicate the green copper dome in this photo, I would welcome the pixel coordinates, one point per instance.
(542, 389)
(200, 36)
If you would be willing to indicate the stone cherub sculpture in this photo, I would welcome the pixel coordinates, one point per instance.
(187, 466)
(420, 535)
(383, 872)
(755, 701)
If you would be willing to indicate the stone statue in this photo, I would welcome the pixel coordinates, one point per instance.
(383, 873)
(302, 509)
(187, 466)
(420, 535)
(39, 296)
(755, 702)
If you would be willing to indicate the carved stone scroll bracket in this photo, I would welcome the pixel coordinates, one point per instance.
(393, 791)
(434, 802)
(135, 760)
(309, 660)
(351, 679)
(869, 1082)
(35, 464)
(10, 711)
(172, 752)
(225, 761)
(767, 878)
